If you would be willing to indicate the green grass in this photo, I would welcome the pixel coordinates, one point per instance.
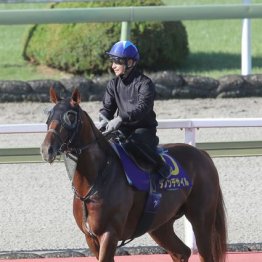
(215, 46)
(12, 64)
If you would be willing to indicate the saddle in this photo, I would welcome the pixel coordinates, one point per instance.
(152, 183)
(143, 180)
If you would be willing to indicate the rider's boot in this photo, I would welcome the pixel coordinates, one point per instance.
(151, 156)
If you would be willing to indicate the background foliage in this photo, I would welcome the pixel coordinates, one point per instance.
(80, 48)
(215, 46)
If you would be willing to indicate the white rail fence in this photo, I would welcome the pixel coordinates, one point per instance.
(189, 125)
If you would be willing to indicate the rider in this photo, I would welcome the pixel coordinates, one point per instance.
(132, 95)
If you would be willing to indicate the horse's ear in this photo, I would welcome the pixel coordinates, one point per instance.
(53, 95)
(76, 96)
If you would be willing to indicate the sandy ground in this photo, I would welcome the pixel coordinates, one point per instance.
(36, 199)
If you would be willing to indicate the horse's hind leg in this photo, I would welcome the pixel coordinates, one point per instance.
(202, 228)
(209, 227)
(166, 238)
(202, 218)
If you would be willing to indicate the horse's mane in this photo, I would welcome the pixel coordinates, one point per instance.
(101, 140)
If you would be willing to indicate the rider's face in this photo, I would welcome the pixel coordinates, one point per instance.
(119, 65)
(118, 69)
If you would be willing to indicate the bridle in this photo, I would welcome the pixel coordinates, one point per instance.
(68, 146)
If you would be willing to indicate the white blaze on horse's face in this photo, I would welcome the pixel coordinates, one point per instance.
(50, 147)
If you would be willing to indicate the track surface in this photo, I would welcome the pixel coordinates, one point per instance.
(36, 199)
(231, 257)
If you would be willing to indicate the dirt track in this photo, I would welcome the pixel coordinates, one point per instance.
(36, 199)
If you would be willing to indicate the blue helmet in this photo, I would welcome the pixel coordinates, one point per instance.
(124, 49)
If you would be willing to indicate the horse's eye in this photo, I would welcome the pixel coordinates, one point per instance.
(70, 119)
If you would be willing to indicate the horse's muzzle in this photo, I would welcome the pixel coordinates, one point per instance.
(48, 152)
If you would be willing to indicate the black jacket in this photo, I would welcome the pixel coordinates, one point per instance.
(133, 97)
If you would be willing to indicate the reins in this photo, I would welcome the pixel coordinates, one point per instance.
(76, 151)
(91, 190)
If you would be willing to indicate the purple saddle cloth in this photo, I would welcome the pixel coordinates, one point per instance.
(138, 178)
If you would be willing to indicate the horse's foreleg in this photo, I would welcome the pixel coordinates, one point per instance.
(93, 245)
(80, 215)
(108, 243)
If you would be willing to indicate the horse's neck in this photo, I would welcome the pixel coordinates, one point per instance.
(91, 161)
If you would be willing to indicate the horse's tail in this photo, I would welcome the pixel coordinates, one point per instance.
(219, 243)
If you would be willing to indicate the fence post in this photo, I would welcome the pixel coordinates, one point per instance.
(246, 62)
(190, 240)
(190, 136)
(125, 31)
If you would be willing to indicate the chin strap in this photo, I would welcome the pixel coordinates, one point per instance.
(128, 70)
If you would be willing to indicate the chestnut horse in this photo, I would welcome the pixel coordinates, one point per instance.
(107, 209)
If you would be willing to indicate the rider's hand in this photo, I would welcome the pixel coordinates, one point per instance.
(103, 121)
(114, 124)
(101, 124)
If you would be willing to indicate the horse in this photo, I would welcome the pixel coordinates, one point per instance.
(107, 209)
